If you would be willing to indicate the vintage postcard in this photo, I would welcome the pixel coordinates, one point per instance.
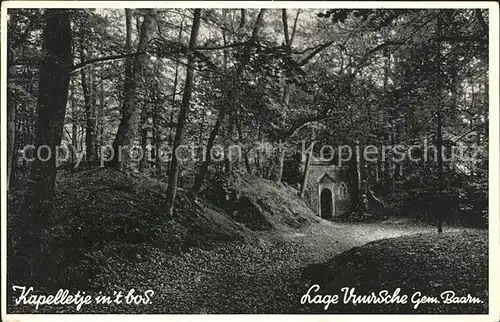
(319, 160)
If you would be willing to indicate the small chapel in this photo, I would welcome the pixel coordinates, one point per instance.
(327, 192)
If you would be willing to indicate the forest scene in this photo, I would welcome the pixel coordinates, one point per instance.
(227, 160)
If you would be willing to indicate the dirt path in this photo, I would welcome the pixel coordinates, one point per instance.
(240, 278)
(263, 279)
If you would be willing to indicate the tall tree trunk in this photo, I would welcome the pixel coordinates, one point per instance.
(203, 117)
(245, 150)
(228, 164)
(171, 135)
(176, 79)
(229, 102)
(202, 127)
(243, 19)
(95, 111)
(284, 20)
(87, 87)
(257, 153)
(439, 145)
(356, 204)
(157, 141)
(51, 108)
(11, 139)
(387, 169)
(169, 204)
(307, 166)
(11, 123)
(100, 117)
(131, 110)
(279, 159)
(229, 133)
(14, 164)
(278, 163)
(439, 136)
(87, 82)
(143, 162)
(74, 125)
(359, 179)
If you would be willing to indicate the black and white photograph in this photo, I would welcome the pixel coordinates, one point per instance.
(296, 158)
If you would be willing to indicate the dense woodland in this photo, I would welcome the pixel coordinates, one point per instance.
(91, 78)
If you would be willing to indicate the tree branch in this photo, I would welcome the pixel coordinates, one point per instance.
(314, 53)
(382, 46)
(300, 123)
(462, 39)
(81, 65)
(466, 134)
(239, 44)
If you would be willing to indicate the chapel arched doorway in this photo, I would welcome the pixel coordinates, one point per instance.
(326, 203)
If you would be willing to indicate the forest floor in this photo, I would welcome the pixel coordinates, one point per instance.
(451, 268)
(244, 278)
(266, 279)
(256, 256)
